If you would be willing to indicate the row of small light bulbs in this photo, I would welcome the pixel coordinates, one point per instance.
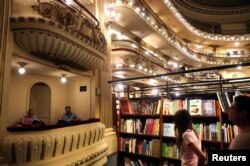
(147, 52)
(145, 70)
(161, 31)
(176, 43)
(22, 71)
(122, 36)
(132, 66)
(150, 72)
(200, 33)
(155, 91)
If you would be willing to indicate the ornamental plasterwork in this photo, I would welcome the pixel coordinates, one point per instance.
(138, 62)
(75, 22)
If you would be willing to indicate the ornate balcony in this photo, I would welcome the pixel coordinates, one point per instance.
(81, 144)
(60, 33)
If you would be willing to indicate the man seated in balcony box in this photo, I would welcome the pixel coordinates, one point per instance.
(68, 116)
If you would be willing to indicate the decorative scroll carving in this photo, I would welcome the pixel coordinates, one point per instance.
(75, 22)
(56, 12)
(137, 61)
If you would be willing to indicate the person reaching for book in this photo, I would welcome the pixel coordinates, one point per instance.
(187, 140)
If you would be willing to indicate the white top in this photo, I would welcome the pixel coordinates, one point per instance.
(188, 157)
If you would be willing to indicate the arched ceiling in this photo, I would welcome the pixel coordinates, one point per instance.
(214, 15)
(222, 3)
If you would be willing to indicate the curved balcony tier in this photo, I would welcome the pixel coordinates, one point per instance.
(55, 32)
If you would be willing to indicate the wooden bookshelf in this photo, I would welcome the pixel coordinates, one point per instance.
(213, 120)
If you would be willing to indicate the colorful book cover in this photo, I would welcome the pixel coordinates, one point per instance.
(195, 106)
(208, 107)
(167, 107)
(168, 130)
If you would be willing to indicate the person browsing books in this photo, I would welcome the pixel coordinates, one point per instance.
(187, 140)
(239, 114)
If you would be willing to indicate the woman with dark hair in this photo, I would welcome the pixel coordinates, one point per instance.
(187, 140)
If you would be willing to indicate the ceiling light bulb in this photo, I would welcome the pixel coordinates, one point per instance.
(21, 70)
(63, 80)
(155, 91)
(68, 2)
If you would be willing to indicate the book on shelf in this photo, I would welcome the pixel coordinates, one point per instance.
(224, 101)
(125, 107)
(135, 107)
(170, 149)
(170, 107)
(127, 161)
(159, 105)
(138, 126)
(155, 148)
(208, 107)
(195, 106)
(168, 130)
(167, 107)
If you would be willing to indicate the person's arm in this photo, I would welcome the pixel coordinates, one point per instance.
(198, 152)
(75, 117)
(21, 121)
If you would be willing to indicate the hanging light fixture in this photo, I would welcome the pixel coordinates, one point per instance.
(22, 70)
(63, 79)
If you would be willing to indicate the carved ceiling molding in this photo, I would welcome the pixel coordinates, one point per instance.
(139, 63)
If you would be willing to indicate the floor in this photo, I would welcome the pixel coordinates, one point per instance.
(112, 159)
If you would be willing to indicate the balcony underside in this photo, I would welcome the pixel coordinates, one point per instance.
(55, 42)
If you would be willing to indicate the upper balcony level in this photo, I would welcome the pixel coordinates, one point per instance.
(66, 34)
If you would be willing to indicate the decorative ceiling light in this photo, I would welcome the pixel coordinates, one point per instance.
(134, 46)
(120, 87)
(155, 91)
(63, 79)
(236, 43)
(22, 70)
(69, 2)
(112, 13)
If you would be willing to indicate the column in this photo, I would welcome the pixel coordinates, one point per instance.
(6, 44)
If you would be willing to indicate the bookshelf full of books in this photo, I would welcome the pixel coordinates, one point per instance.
(228, 130)
(139, 136)
(146, 131)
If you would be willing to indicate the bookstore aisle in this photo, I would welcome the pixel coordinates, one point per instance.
(146, 131)
(112, 160)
